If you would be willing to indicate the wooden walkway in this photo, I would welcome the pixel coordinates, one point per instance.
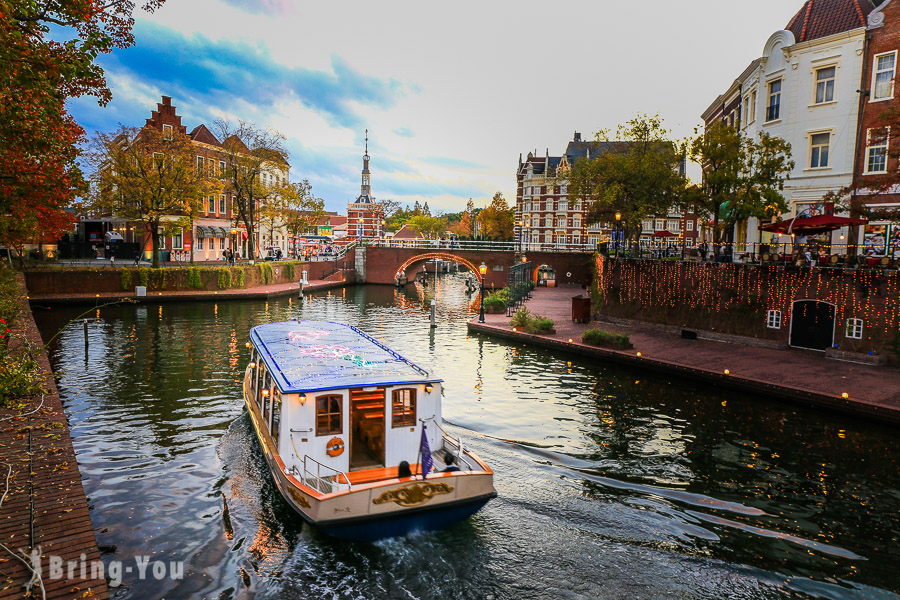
(45, 506)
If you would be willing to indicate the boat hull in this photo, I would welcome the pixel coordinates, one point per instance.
(383, 509)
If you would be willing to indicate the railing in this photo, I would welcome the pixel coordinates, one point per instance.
(811, 254)
(328, 484)
(453, 446)
(482, 245)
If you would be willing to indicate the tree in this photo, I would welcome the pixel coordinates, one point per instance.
(742, 178)
(39, 175)
(248, 151)
(429, 227)
(147, 176)
(301, 209)
(638, 178)
(496, 220)
(390, 207)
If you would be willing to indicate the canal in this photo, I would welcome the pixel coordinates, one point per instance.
(613, 483)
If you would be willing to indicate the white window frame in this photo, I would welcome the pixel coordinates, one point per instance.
(773, 319)
(827, 148)
(876, 72)
(817, 83)
(672, 225)
(211, 204)
(178, 241)
(689, 225)
(659, 225)
(222, 206)
(770, 94)
(221, 243)
(853, 329)
(199, 243)
(869, 146)
(167, 132)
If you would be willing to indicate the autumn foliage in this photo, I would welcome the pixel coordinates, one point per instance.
(39, 175)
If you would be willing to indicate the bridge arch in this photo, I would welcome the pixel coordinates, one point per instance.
(426, 256)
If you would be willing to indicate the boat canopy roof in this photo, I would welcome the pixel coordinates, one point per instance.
(309, 356)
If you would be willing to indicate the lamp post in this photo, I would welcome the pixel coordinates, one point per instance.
(519, 236)
(618, 220)
(482, 268)
(233, 242)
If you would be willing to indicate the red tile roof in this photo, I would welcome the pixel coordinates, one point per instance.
(821, 18)
(408, 232)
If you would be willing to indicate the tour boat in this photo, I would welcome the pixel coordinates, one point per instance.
(339, 416)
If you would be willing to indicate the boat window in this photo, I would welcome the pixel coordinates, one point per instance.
(328, 415)
(254, 358)
(403, 408)
(276, 416)
(266, 399)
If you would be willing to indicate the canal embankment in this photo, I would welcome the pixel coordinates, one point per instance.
(259, 282)
(802, 376)
(44, 517)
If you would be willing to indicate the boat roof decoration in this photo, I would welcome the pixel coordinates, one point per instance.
(309, 356)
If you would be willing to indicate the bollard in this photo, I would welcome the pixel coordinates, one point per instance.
(85, 322)
(433, 306)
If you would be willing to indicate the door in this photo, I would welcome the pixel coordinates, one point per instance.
(367, 411)
(812, 324)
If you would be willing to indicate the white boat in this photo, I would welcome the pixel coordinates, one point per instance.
(339, 415)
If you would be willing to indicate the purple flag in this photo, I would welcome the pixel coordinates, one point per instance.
(427, 461)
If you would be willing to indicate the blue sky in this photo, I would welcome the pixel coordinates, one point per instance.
(451, 94)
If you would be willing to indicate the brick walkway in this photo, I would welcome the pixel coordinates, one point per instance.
(788, 373)
(46, 506)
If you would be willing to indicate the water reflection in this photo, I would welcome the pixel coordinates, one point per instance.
(612, 482)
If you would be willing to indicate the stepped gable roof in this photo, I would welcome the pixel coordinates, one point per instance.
(204, 136)
(821, 18)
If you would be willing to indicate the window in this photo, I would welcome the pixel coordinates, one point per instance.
(328, 415)
(854, 329)
(825, 85)
(690, 225)
(563, 188)
(221, 243)
(876, 150)
(773, 110)
(672, 225)
(212, 204)
(276, 416)
(647, 225)
(167, 132)
(221, 166)
(750, 107)
(222, 204)
(818, 150)
(200, 161)
(178, 241)
(403, 408)
(577, 223)
(773, 319)
(658, 226)
(199, 243)
(576, 239)
(883, 76)
(265, 398)
(563, 205)
(561, 222)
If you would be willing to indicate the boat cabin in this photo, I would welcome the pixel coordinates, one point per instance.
(331, 397)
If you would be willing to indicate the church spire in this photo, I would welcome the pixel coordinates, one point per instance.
(365, 193)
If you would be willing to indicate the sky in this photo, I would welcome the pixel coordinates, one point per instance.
(451, 93)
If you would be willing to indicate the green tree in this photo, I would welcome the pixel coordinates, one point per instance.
(429, 227)
(146, 176)
(638, 178)
(302, 211)
(742, 177)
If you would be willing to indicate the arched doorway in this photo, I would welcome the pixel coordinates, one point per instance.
(545, 275)
(812, 324)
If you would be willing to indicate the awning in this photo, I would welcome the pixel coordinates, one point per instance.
(664, 233)
(218, 232)
(204, 232)
(113, 236)
(812, 225)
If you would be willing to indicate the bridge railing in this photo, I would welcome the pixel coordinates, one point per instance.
(481, 245)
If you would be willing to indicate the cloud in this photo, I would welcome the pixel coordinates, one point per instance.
(277, 7)
(404, 132)
(226, 72)
(453, 163)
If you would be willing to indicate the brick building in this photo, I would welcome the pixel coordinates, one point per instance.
(547, 217)
(211, 233)
(877, 147)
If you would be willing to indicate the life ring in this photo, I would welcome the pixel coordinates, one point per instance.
(335, 446)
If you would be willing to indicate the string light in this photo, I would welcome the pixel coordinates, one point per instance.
(735, 298)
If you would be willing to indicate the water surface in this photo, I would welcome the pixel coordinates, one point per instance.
(612, 482)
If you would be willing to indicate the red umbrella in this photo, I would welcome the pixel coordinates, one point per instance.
(812, 225)
(664, 233)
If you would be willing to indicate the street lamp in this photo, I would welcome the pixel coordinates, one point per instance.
(618, 220)
(233, 242)
(482, 268)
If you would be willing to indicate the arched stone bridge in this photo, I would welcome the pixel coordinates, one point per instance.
(384, 264)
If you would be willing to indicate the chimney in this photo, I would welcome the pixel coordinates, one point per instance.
(577, 137)
(167, 100)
